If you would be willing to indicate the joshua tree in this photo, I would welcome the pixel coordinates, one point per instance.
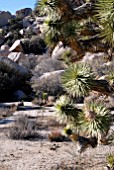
(83, 28)
(78, 26)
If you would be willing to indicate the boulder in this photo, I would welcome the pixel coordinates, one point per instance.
(19, 95)
(1, 39)
(5, 47)
(4, 17)
(4, 53)
(11, 65)
(25, 23)
(29, 29)
(9, 35)
(59, 50)
(93, 56)
(36, 30)
(16, 47)
(16, 56)
(23, 12)
(22, 32)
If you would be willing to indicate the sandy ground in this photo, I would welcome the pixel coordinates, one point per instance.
(41, 154)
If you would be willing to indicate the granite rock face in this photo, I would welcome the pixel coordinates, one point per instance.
(4, 17)
(23, 12)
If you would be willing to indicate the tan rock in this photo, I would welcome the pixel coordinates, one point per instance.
(5, 47)
(16, 47)
(16, 56)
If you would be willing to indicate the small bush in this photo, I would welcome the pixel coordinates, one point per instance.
(35, 45)
(23, 129)
(7, 111)
(110, 161)
(12, 77)
(48, 65)
(49, 83)
(31, 61)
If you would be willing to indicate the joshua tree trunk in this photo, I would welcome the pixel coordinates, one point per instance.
(101, 86)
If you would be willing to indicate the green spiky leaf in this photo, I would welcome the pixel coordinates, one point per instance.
(66, 111)
(75, 79)
(95, 119)
(105, 14)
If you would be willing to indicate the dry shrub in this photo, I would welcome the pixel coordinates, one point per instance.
(57, 137)
(12, 77)
(23, 128)
(4, 112)
(31, 60)
(7, 111)
(35, 45)
(48, 65)
(49, 83)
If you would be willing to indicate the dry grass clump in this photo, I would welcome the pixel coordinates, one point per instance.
(110, 161)
(7, 111)
(23, 128)
(4, 112)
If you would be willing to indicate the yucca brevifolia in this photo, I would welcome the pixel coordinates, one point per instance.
(66, 111)
(76, 28)
(78, 80)
(73, 26)
(105, 15)
(93, 120)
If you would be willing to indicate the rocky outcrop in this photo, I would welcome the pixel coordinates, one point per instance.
(23, 12)
(4, 17)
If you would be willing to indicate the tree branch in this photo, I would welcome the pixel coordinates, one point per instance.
(83, 11)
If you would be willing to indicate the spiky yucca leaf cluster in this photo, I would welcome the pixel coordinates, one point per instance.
(105, 14)
(47, 6)
(95, 119)
(71, 29)
(52, 30)
(56, 26)
(76, 79)
(110, 160)
(66, 111)
(110, 78)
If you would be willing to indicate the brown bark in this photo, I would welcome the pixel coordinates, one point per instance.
(101, 86)
(79, 13)
(83, 11)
